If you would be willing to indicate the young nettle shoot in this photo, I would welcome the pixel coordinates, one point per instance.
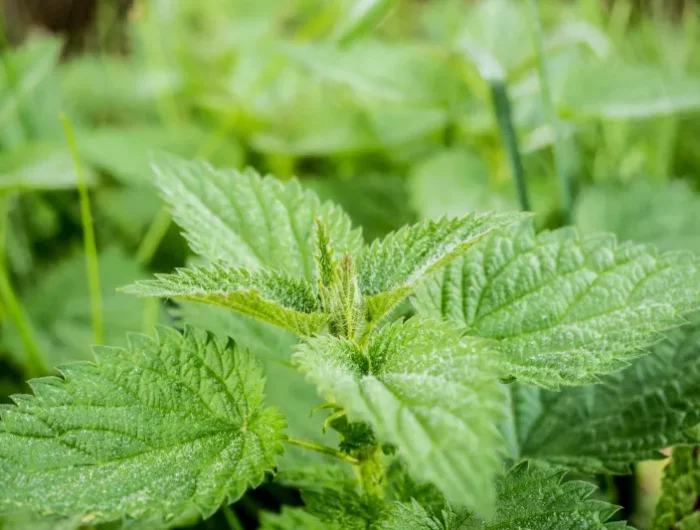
(422, 429)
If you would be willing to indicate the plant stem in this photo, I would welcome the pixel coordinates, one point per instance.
(91, 261)
(324, 449)
(550, 112)
(501, 106)
(232, 519)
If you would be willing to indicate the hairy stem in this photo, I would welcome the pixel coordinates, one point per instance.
(324, 449)
(91, 260)
(502, 109)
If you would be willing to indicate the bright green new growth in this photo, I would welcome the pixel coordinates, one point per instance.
(168, 430)
(424, 389)
(562, 309)
(535, 499)
(389, 270)
(165, 431)
(238, 219)
(269, 296)
(677, 507)
(630, 416)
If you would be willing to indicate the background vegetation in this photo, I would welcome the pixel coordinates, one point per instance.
(585, 112)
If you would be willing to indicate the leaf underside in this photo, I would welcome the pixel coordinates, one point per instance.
(562, 309)
(163, 432)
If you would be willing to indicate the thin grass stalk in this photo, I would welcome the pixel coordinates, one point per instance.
(90, 244)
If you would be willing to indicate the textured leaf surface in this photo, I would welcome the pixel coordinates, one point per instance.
(268, 296)
(562, 308)
(165, 431)
(424, 391)
(249, 221)
(628, 417)
(345, 508)
(526, 500)
(59, 308)
(678, 506)
(285, 387)
(391, 268)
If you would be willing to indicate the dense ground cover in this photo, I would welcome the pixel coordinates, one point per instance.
(398, 112)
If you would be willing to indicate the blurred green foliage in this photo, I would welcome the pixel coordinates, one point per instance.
(382, 106)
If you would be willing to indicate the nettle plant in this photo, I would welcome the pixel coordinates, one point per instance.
(524, 356)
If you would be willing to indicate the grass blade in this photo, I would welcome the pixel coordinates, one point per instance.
(88, 236)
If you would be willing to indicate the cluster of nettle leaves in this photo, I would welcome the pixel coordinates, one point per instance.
(526, 358)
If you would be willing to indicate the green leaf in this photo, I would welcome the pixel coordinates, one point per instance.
(33, 63)
(560, 308)
(58, 307)
(379, 203)
(345, 508)
(678, 506)
(23, 521)
(362, 16)
(455, 182)
(163, 432)
(285, 387)
(249, 221)
(125, 152)
(326, 475)
(667, 216)
(117, 88)
(390, 269)
(331, 495)
(268, 296)
(293, 519)
(527, 499)
(423, 390)
(622, 91)
(628, 417)
(401, 486)
(38, 167)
